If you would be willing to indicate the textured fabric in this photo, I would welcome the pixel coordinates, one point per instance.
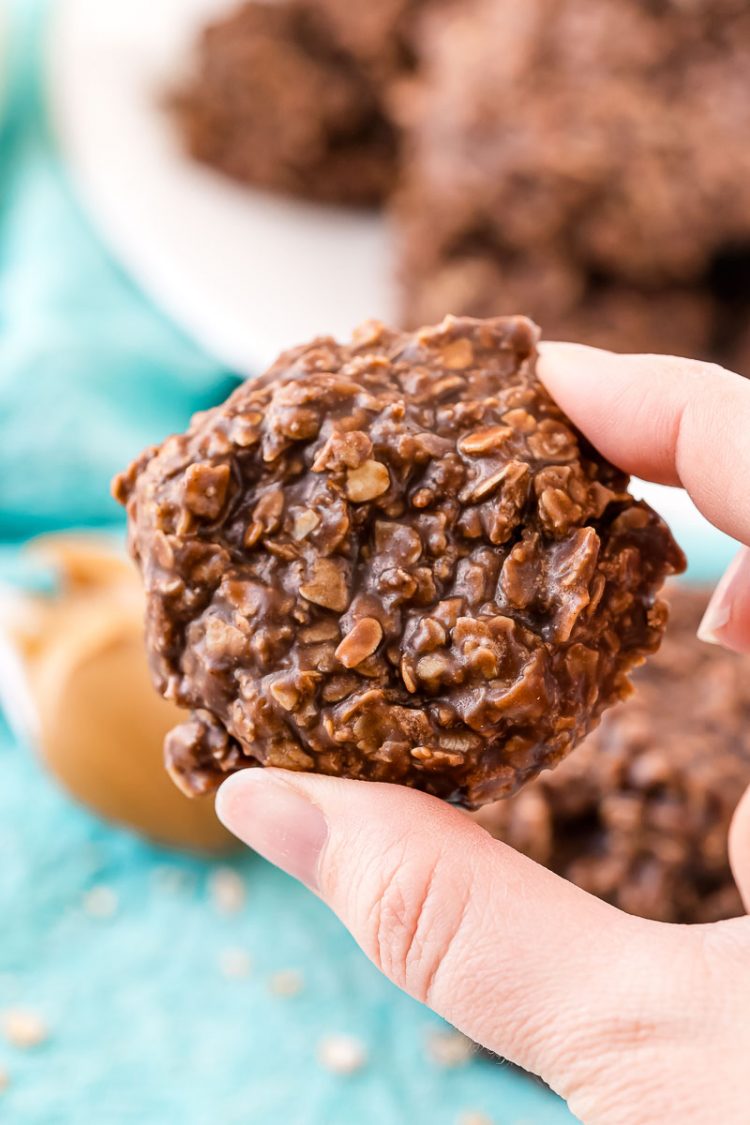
(145, 1029)
(143, 1026)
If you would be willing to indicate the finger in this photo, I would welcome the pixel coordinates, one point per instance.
(739, 848)
(674, 421)
(727, 618)
(520, 960)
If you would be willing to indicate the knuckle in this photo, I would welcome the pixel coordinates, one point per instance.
(416, 923)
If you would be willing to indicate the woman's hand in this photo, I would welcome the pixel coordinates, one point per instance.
(631, 1021)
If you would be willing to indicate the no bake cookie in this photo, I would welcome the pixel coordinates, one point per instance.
(585, 160)
(275, 101)
(393, 559)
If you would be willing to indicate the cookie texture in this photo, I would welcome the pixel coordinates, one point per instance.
(584, 160)
(640, 814)
(393, 559)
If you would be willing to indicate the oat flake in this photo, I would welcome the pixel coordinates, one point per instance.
(23, 1028)
(287, 983)
(449, 1048)
(234, 963)
(227, 890)
(342, 1054)
(100, 902)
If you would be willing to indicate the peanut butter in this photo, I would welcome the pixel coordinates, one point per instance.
(99, 725)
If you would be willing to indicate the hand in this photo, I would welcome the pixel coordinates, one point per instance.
(631, 1021)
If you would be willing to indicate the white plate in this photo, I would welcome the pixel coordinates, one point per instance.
(246, 274)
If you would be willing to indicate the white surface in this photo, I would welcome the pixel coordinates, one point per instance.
(246, 274)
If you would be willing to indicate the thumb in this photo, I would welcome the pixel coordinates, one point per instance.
(514, 956)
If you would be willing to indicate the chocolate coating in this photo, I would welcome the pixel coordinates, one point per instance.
(585, 160)
(640, 814)
(393, 559)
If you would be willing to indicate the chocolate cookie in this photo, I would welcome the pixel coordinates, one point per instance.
(393, 559)
(379, 35)
(275, 101)
(585, 160)
(640, 814)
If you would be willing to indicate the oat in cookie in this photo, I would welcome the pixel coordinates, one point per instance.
(393, 559)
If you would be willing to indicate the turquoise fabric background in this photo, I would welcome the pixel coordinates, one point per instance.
(143, 1027)
(89, 373)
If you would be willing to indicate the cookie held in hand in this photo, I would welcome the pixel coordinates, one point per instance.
(393, 559)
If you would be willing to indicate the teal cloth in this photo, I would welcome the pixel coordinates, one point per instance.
(143, 1026)
(89, 373)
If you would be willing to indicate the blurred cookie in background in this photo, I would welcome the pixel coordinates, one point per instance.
(379, 34)
(578, 156)
(278, 101)
(95, 717)
(639, 815)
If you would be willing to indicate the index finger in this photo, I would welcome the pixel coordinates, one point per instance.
(668, 420)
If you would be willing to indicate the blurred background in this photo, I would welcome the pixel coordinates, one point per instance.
(186, 187)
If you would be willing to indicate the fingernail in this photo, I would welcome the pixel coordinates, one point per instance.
(718, 613)
(275, 820)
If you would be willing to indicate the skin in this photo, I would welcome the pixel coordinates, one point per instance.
(632, 1022)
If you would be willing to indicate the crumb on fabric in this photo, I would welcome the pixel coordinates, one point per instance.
(287, 983)
(449, 1049)
(227, 890)
(342, 1054)
(170, 879)
(23, 1028)
(234, 963)
(101, 902)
